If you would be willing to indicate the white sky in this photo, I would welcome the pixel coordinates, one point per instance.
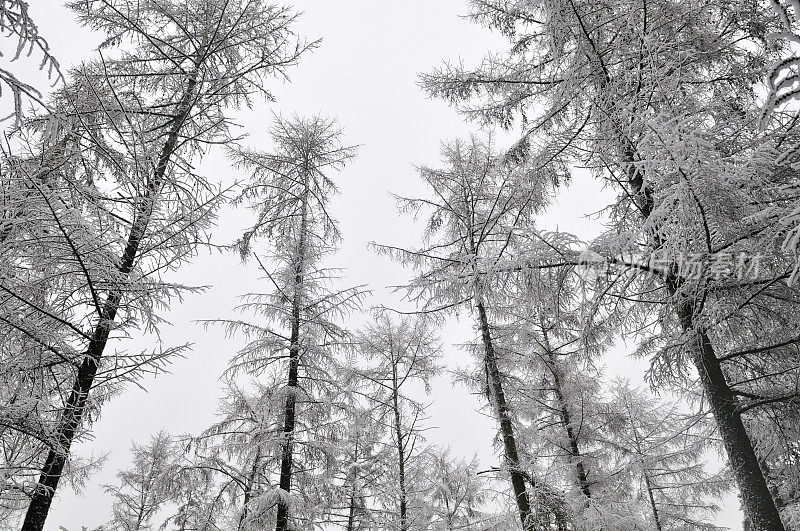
(365, 74)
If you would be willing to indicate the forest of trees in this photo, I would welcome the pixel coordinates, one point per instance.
(683, 109)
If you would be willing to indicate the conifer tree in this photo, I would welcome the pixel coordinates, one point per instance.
(398, 356)
(669, 121)
(294, 342)
(479, 200)
(131, 207)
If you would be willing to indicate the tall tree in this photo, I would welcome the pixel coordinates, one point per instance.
(364, 451)
(399, 355)
(479, 201)
(290, 191)
(664, 111)
(150, 109)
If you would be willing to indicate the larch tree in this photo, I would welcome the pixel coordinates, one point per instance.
(555, 339)
(479, 202)
(363, 451)
(553, 343)
(658, 100)
(290, 191)
(398, 356)
(458, 497)
(145, 488)
(664, 453)
(16, 23)
(150, 104)
(237, 453)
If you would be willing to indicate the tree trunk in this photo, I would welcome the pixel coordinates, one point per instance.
(290, 408)
(401, 457)
(73, 411)
(282, 520)
(647, 482)
(506, 427)
(351, 513)
(652, 499)
(248, 489)
(566, 420)
(757, 502)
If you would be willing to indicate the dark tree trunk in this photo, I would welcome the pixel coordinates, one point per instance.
(506, 427)
(566, 420)
(75, 407)
(351, 513)
(282, 520)
(401, 457)
(757, 501)
(651, 497)
(292, 379)
(248, 489)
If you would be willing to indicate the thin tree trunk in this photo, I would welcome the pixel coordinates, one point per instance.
(248, 490)
(506, 427)
(401, 457)
(572, 437)
(647, 482)
(351, 514)
(290, 408)
(73, 411)
(651, 497)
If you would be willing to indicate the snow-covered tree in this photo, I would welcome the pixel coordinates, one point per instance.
(294, 343)
(148, 107)
(237, 453)
(479, 202)
(398, 356)
(144, 488)
(362, 440)
(664, 453)
(457, 497)
(658, 100)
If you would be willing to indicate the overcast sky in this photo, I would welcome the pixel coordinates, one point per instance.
(365, 75)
